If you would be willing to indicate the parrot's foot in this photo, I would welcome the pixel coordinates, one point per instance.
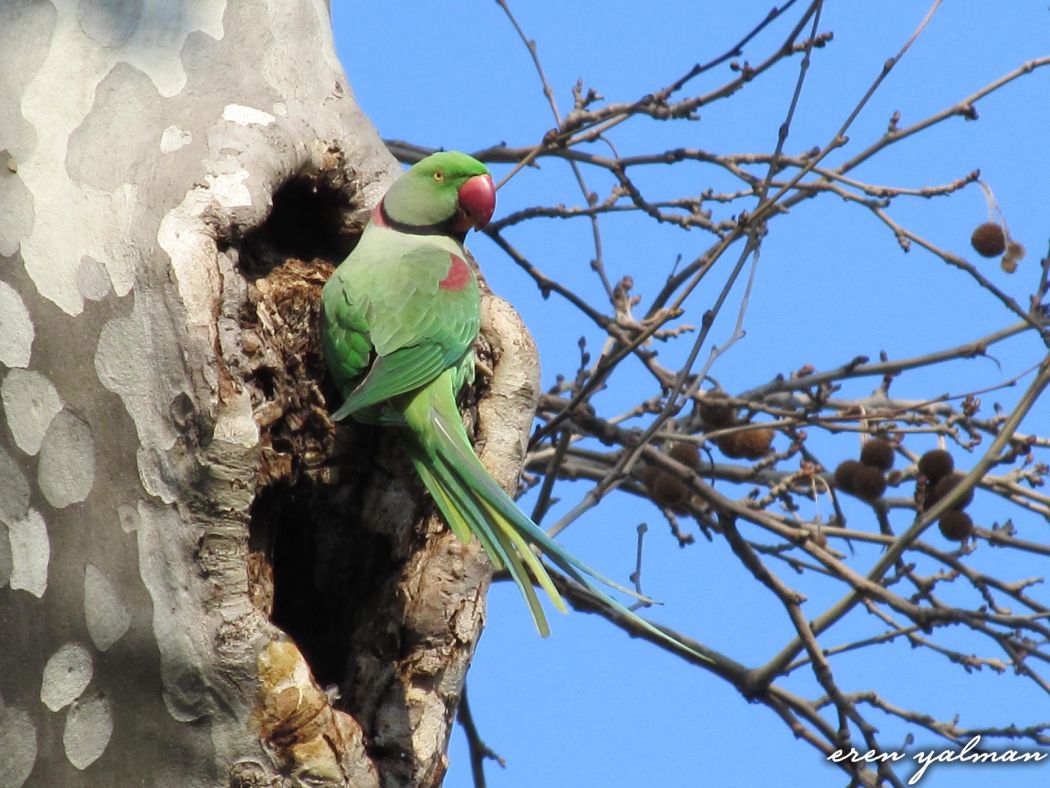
(482, 370)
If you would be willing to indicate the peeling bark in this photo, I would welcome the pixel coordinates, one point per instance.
(203, 581)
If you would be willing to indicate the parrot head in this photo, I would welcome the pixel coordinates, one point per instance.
(449, 190)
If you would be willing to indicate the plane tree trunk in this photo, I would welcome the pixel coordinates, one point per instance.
(203, 581)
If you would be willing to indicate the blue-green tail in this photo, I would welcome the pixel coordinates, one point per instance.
(472, 502)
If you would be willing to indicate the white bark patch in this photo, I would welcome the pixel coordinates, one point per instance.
(154, 474)
(66, 471)
(228, 188)
(190, 243)
(174, 138)
(92, 279)
(106, 615)
(54, 110)
(89, 726)
(193, 257)
(235, 423)
(18, 745)
(16, 327)
(246, 116)
(30, 403)
(66, 676)
(30, 553)
(27, 35)
(52, 255)
(14, 490)
(141, 385)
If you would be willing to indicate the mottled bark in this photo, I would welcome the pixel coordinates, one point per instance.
(203, 581)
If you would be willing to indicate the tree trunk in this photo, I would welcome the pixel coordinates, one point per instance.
(207, 582)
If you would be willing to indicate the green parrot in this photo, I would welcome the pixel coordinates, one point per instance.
(399, 320)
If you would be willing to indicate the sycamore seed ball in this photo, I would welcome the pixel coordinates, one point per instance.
(878, 453)
(845, 473)
(751, 444)
(727, 445)
(929, 496)
(956, 525)
(716, 411)
(665, 489)
(936, 464)
(686, 453)
(755, 443)
(670, 492)
(947, 484)
(989, 240)
(868, 483)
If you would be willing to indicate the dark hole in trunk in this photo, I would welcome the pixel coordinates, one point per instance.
(310, 219)
(312, 566)
(324, 567)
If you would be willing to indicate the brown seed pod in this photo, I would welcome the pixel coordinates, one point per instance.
(878, 453)
(845, 473)
(936, 464)
(747, 445)
(956, 525)
(727, 445)
(716, 411)
(665, 490)
(686, 453)
(868, 482)
(945, 486)
(988, 240)
(670, 492)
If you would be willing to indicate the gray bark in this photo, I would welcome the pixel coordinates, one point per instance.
(203, 581)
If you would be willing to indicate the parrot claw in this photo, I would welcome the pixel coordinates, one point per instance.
(482, 370)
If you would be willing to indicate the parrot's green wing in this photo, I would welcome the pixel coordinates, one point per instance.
(344, 335)
(392, 302)
(402, 371)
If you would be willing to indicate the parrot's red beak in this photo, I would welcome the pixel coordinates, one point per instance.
(477, 201)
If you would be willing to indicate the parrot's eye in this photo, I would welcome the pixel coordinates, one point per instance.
(439, 175)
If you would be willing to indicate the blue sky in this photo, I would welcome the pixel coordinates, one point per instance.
(590, 706)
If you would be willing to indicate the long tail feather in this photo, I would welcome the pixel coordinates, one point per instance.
(461, 457)
(465, 517)
(472, 502)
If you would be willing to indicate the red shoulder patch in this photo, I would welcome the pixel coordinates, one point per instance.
(377, 215)
(458, 274)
